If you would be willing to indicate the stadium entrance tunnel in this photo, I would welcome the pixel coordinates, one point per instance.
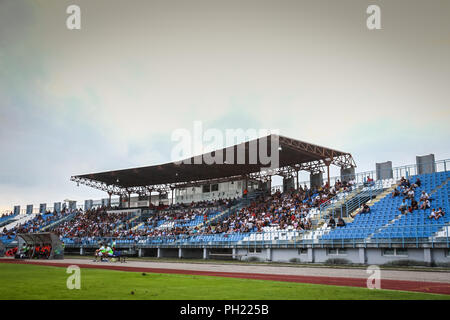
(181, 253)
(148, 252)
(221, 254)
(77, 251)
(41, 240)
(168, 253)
(188, 253)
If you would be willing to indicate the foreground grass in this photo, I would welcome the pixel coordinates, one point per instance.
(39, 282)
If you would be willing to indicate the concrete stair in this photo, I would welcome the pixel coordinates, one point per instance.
(342, 201)
(129, 221)
(348, 203)
(225, 213)
(320, 228)
(137, 226)
(373, 201)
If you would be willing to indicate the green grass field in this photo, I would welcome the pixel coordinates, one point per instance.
(39, 282)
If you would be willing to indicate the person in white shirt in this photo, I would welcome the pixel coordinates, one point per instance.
(99, 253)
(440, 213)
(425, 205)
(433, 215)
(108, 251)
(424, 196)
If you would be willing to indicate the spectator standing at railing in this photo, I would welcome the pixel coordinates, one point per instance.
(369, 181)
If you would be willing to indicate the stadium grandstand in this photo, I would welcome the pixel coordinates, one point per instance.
(232, 210)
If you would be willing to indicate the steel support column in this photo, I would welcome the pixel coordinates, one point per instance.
(109, 201)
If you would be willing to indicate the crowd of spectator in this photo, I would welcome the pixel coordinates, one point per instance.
(282, 211)
(168, 221)
(37, 223)
(96, 222)
(5, 215)
(288, 210)
(409, 203)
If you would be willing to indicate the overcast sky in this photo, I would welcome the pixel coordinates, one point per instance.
(110, 95)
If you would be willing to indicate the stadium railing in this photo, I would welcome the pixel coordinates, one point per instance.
(434, 233)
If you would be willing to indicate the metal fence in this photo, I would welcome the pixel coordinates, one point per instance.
(396, 173)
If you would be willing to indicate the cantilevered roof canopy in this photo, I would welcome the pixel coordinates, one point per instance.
(249, 159)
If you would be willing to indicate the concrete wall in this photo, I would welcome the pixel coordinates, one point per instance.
(368, 256)
(384, 170)
(250, 254)
(285, 255)
(322, 255)
(347, 174)
(316, 180)
(288, 183)
(425, 164)
(440, 255)
(229, 189)
(377, 256)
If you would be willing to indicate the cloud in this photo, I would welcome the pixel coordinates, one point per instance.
(110, 95)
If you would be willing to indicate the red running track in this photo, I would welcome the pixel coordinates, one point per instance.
(427, 287)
